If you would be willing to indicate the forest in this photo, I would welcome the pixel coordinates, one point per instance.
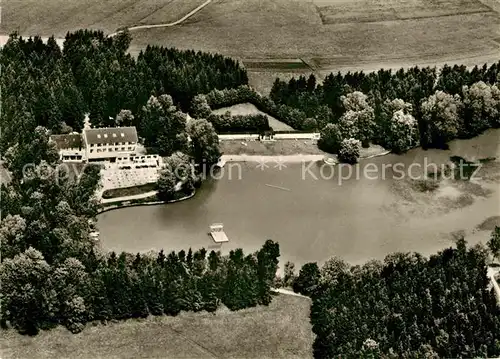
(397, 110)
(406, 306)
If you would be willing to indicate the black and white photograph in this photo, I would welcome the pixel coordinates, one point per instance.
(249, 179)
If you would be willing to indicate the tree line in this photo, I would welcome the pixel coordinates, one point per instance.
(407, 306)
(422, 104)
(226, 123)
(38, 294)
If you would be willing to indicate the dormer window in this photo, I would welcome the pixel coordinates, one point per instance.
(114, 134)
(105, 135)
(122, 134)
(98, 136)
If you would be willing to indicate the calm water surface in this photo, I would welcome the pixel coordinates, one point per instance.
(315, 219)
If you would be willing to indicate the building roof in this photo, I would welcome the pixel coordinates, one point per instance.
(110, 135)
(67, 141)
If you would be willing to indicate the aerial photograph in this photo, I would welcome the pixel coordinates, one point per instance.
(249, 179)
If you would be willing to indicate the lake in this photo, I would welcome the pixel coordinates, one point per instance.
(317, 214)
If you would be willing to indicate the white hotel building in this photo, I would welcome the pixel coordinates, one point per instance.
(108, 144)
(115, 146)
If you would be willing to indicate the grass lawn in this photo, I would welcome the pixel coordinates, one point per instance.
(128, 191)
(271, 148)
(250, 109)
(281, 330)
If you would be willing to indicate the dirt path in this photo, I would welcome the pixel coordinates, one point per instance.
(181, 20)
(288, 292)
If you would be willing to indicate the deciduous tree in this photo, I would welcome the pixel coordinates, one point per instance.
(441, 115)
(204, 142)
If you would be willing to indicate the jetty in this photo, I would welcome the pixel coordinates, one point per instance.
(278, 187)
(217, 233)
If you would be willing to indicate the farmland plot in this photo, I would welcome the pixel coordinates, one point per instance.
(346, 11)
(57, 17)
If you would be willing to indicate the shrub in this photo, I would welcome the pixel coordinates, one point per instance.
(349, 150)
(310, 124)
(239, 124)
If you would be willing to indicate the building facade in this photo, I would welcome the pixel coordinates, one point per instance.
(98, 145)
(108, 144)
(71, 147)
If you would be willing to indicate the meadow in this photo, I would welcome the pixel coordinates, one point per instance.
(281, 330)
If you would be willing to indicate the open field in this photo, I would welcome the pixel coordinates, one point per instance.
(57, 17)
(250, 109)
(345, 11)
(279, 37)
(281, 330)
(417, 32)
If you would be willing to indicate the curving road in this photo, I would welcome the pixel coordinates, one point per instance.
(181, 20)
(60, 41)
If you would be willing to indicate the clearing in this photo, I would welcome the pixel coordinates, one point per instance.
(281, 330)
(250, 109)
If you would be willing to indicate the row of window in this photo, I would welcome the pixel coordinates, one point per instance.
(99, 150)
(111, 144)
(136, 167)
(133, 158)
(75, 157)
(106, 135)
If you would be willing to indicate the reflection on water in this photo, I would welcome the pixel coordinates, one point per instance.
(358, 218)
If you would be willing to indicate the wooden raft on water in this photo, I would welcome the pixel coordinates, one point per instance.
(217, 233)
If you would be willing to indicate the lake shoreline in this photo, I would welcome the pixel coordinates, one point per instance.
(123, 203)
(360, 219)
